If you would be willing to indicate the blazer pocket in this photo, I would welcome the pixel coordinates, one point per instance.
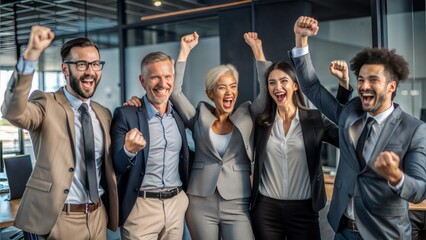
(197, 165)
(389, 211)
(39, 184)
(241, 167)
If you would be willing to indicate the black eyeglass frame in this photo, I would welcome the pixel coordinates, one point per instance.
(86, 63)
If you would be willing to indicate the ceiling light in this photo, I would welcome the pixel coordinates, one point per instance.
(157, 3)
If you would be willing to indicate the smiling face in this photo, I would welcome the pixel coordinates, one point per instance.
(281, 88)
(82, 84)
(224, 93)
(157, 80)
(374, 90)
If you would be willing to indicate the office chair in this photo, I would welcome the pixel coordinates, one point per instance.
(18, 171)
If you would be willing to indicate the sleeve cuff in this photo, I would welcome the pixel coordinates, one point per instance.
(129, 154)
(297, 52)
(399, 185)
(26, 67)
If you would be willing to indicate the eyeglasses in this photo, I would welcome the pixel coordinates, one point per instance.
(84, 65)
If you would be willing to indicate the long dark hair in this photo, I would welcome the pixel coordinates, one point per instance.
(267, 116)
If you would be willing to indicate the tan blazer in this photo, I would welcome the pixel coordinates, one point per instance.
(50, 120)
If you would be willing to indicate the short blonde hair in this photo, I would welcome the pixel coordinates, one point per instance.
(215, 73)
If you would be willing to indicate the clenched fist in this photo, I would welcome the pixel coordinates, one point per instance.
(187, 43)
(134, 141)
(255, 44)
(40, 39)
(387, 165)
(339, 69)
(306, 27)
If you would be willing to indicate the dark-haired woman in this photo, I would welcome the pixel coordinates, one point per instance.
(288, 184)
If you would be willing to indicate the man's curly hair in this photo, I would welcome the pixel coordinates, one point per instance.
(396, 68)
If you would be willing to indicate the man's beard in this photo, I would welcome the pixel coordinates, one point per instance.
(76, 87)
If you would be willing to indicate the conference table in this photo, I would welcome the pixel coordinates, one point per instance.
(329, 183)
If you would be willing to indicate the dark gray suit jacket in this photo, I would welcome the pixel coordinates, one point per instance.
(380, 212)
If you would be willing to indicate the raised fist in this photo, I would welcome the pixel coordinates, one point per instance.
(339, 69)
(134, 141)
(40, 39)
(187, 43)
(306, 27)
(255, 43)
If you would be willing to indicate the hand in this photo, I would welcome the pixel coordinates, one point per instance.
(339, 69)
(187, 43)
(306, 27)
(387, 165)
(134, 141)
(255, 43)
(133, 102)
(40, 39)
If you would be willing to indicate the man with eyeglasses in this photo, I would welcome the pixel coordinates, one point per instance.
(72, 192)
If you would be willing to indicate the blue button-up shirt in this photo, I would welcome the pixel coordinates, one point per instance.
(165, 143)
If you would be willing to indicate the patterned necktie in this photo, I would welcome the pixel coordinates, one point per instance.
(361, 141)
(89, 152)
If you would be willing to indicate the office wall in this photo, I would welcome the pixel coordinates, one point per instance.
(108, 90)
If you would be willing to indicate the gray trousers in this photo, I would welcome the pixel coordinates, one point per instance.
(213, 218)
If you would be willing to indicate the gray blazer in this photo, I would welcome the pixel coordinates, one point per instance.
(230, 173)
(380, 212)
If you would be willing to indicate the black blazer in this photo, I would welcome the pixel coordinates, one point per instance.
(315, 129)
(130, 174)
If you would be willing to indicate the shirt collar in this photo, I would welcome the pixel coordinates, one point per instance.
(381, 117)
(75, 102)
(151, 110)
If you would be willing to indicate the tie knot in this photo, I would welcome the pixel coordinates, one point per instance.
(83, 107)
(370, 121)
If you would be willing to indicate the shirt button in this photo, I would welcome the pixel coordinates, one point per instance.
(71, 169)
(66, 191)
(220, 163)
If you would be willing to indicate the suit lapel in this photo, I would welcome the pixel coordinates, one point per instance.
(262, 138)
(144, 127)
(207, 119)
(63, 101)
(354, 114)
(389, 128)
(241, 119)
(309, 133)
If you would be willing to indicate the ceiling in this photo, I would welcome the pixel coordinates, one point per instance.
(99, 19)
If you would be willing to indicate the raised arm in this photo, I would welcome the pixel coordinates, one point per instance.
(255, 44)
(184, 107)
(252, 39)
(339, 69)
(16, 108)
(307, 77)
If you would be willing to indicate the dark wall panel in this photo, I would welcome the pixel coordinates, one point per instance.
(274, 23)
